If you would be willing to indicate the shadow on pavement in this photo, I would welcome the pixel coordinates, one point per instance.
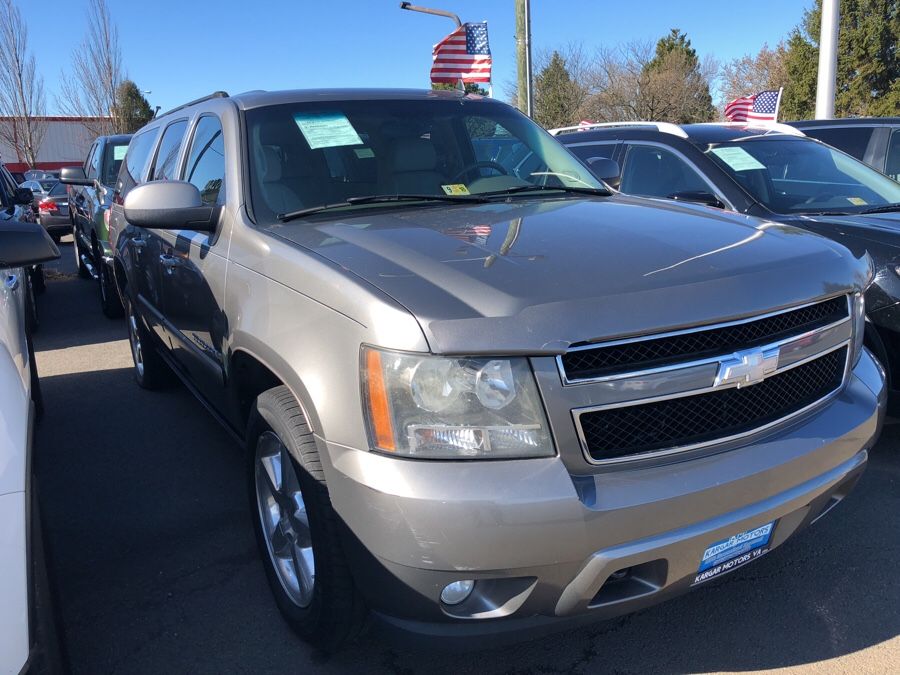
(152, 552)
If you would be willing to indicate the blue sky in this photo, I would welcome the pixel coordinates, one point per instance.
(183, 49)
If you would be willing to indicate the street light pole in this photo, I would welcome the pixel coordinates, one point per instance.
(426, 10)
(828, 46)
(523, 56)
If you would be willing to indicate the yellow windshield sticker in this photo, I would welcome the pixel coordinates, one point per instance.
(738, 159)
(857, 201)
(455, 189)
(327, 130)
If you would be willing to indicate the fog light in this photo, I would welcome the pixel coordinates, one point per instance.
(455, 593)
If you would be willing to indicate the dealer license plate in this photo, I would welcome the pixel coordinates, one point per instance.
(728, 554)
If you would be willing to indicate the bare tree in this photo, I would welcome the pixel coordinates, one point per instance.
(750, 74)
(90, 89)
(635, 82)
(22, 101)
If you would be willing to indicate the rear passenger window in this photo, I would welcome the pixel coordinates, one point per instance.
(167, 156)
(135, 160)
(852, 140)
(651, 171)
(206, 161)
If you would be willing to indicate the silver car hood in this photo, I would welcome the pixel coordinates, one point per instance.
(534, 276)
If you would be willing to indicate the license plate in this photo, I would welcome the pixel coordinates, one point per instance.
(728, 554)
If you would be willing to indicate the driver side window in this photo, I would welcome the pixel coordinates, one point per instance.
(652, 171)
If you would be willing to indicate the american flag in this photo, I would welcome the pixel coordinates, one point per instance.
(463, 55)
(761, 107)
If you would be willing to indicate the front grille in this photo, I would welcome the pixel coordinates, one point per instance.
(690, 420)
(602, 361)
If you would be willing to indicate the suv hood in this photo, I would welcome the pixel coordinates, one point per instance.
(535, 276)
(880, 227)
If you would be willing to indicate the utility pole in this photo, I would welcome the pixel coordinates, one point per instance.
(828, 46)
(523, 57)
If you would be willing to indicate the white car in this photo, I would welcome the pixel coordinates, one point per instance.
(21, 244)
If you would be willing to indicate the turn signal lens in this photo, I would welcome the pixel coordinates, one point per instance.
(379, 406)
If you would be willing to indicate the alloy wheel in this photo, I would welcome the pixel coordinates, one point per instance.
(134, 339)
(285, 523)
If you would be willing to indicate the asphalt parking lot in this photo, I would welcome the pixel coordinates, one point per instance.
(155, 569)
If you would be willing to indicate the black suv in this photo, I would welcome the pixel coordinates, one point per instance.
(873, 140)
(775, 173)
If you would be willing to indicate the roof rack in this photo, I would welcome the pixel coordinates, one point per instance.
(215, 94)
(770, 127)
(663, 127)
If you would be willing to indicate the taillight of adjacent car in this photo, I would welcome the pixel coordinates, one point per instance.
(47, 205)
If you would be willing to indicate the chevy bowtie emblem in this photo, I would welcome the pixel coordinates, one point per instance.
(747, 367)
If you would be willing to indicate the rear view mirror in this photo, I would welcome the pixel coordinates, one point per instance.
(169, 205)
(606, 170)
(23, 196)
(73, 175)
(23, 244)
(698, 197)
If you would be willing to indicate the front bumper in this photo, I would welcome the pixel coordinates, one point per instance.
(543, 545)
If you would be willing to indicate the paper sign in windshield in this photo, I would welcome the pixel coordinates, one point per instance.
(119, 152)
(738, 159)
(857, 201)
(327, 130)
(455, 189)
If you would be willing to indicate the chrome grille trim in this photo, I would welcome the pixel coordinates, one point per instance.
(692, 363)
(656, 454)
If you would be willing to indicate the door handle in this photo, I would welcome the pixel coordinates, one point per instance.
(12, 282)
(170, 262)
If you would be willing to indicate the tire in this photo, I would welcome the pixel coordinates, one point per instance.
(110, 304)
(83, 271)
(37, 396)
(150, 371)
(36, 277)
(284, 470)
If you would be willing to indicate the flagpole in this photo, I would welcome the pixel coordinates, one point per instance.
(778, 103)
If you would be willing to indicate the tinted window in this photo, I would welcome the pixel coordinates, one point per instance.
(167, 155)
(58, 190)
(86, 166)
(852, 140)
(135, 161)
(586, 152)
(892, 166)
(93, 169)
(112, 162)
(798, 175)
(206, 161)
(651, 171)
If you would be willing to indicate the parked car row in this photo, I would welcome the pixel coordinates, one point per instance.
(480, 392)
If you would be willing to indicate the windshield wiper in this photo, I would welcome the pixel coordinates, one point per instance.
(884, 208)
(378, 199)
(547, 188)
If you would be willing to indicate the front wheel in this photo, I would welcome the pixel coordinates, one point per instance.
(150, 371)
(83, 271)
(296, 526)
(109, 296)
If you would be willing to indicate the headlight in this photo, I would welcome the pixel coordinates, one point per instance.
(858, 308)
(433, 407)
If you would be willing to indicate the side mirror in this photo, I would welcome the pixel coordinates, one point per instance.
(73, 175)
(23, 244)
(23, 196)
(169, 205)
(606, 170)
(697, 197)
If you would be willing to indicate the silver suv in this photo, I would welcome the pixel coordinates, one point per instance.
(481, 394)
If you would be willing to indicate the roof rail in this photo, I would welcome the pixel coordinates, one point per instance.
(215, 94)
(770, 127)
(663, 127)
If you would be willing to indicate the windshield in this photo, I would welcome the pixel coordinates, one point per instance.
(304, 155)
(802, 176)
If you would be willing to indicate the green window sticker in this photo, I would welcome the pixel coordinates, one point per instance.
(119, 152)
(327, 130)
(738, 159)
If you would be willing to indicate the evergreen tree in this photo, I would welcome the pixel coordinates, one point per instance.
(868, 68)
(674, 54)
(557, 97)
(132, 111)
